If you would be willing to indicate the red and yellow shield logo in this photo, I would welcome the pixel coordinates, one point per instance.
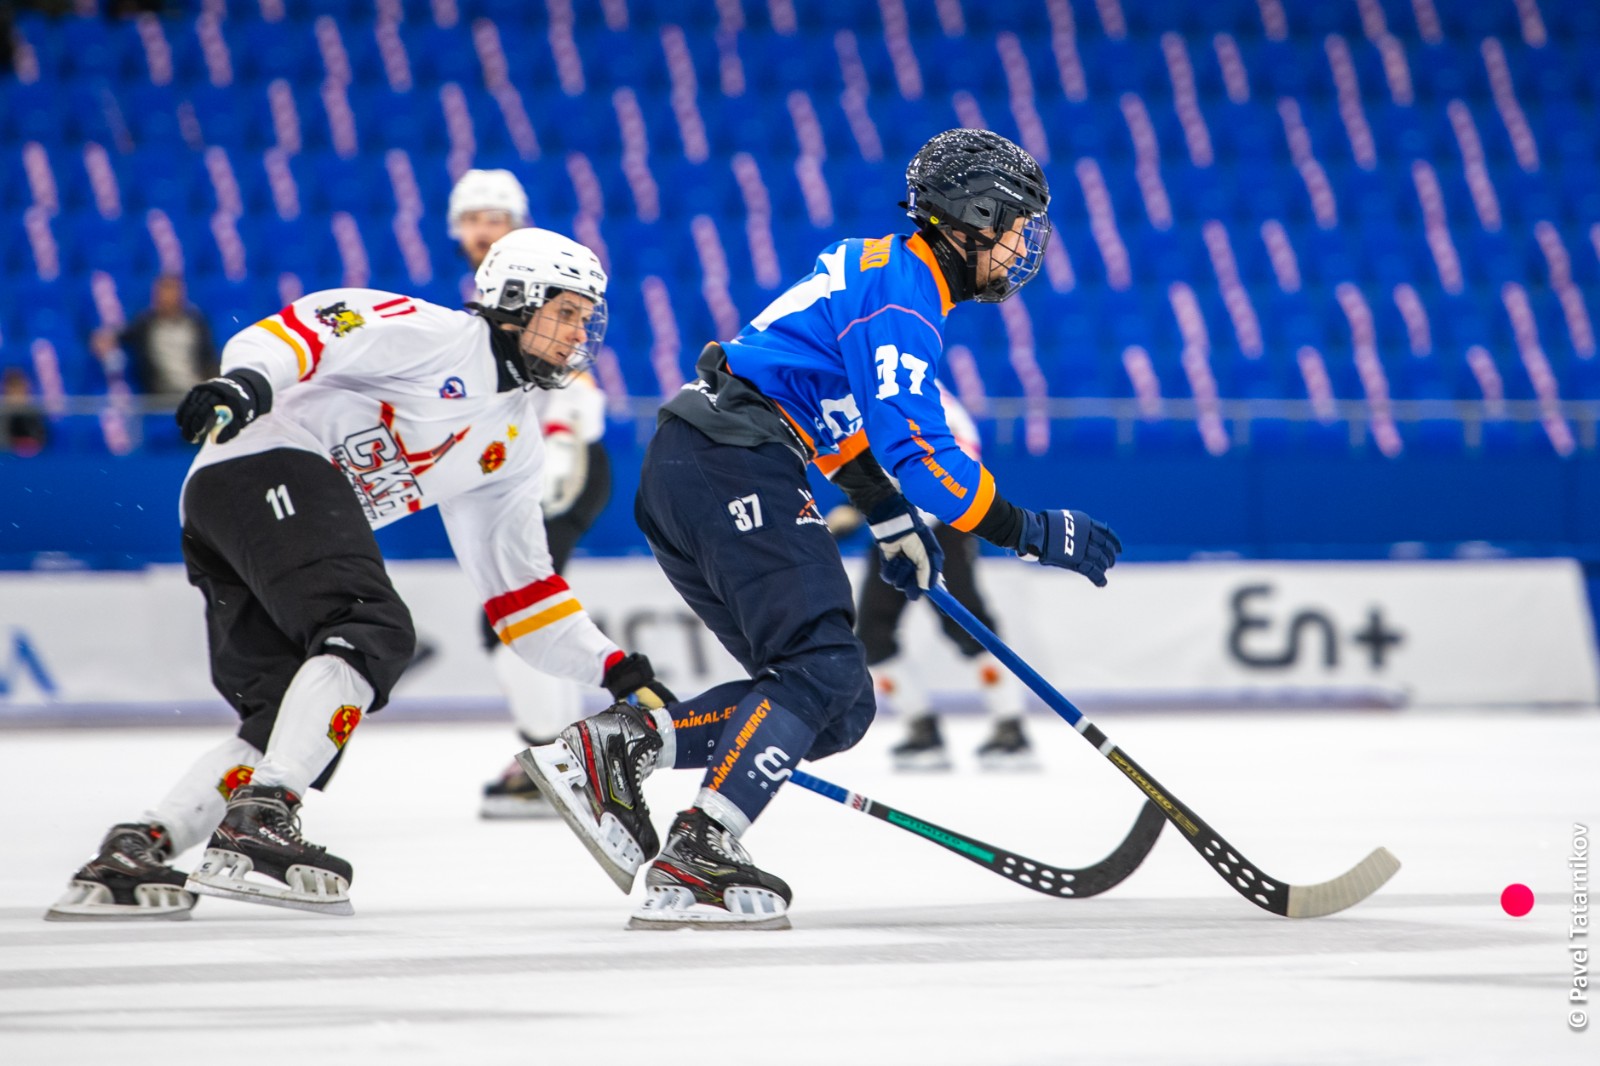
(343, 723)
(493, 458)
(237, 777)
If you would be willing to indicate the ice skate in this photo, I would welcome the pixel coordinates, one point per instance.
(1007, 748)
(923, 747)
(257, 855)
(592, 775)
(514, 795)
(704, 879)
(129, 879)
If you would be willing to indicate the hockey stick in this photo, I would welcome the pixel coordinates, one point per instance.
(220, 419)
(1029, 873)
(1279, 897)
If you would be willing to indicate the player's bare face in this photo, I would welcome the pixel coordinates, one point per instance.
(558, 328)
(480, 229)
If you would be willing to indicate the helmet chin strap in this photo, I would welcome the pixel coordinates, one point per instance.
(959, 267)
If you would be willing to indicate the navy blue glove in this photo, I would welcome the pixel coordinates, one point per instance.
(912, 558)
(1071, 540)
(244, 393)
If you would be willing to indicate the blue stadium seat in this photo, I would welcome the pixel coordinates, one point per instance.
(94, 86)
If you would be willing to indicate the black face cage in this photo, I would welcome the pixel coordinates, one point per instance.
(518, 305)
(1029, 243)
(971, 218)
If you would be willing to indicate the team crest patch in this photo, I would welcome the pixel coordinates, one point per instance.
(343, 723)
(237, 777)
(493, 458)
(453, 389)
(809, 515)
(339, 318)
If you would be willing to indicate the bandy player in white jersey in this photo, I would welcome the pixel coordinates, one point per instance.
(484, 206)
(346, 411)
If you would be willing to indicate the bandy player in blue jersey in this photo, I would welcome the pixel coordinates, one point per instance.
(840, 371)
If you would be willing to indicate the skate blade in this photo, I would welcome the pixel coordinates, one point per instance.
(222, 874)
(514, 807)
(1025, 763)
(85, 901)
(559, 775)
(923, 762)
(668, 908)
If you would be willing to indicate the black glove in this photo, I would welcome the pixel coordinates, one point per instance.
(244, 393)
(1071, 540)
(912, 558)
(631, 679)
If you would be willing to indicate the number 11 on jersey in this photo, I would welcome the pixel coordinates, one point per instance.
(282, 506)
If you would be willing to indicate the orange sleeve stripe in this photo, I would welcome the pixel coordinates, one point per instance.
(811, 445)
(540, 620)
(980, 503)
(272, 326)
(849, 448)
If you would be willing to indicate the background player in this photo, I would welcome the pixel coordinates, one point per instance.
(880, 608)
(850, 351)
(485, 205)
(409, 405)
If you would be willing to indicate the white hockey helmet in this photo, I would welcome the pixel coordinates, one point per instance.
(487, 190)
(521, 272)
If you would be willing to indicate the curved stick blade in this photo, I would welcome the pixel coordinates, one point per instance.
(1346, 890)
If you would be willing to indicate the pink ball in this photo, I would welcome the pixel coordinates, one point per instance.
(1516, 900)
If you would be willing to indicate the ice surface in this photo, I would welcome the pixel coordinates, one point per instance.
(480, 942)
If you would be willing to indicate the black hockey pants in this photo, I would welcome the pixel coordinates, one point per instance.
(278, 544)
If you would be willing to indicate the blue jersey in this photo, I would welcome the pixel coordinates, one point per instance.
(850, 354)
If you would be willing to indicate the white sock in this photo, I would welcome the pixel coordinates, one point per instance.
(320, 710)
(667, 757)
(196, 803)
(1002, 691)
(541, 705)
(892, 679)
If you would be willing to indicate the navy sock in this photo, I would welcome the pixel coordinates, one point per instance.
(760, 743)
(697, 722)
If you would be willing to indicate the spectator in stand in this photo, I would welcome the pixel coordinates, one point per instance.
(165, 351)
(23, 429)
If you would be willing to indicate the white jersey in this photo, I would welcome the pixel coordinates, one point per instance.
(402, 396)
(579, 409)
(962, 427)
(572, 418)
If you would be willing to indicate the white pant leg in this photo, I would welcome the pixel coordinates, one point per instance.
(541, 705)
(896, 680)
(196, 803)
(324, 703)
(1003, 692)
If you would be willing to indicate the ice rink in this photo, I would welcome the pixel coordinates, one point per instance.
(480, 942)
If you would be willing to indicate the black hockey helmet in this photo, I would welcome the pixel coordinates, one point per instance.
(977, 183)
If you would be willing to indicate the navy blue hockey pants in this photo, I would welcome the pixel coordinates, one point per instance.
(736, 531)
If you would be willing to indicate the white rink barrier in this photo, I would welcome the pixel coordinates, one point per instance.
(1204, 634)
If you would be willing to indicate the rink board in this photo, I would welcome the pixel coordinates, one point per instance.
(1219, 634)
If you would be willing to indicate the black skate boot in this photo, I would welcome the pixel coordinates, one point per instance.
(260, 834)
(514, 795)
(1007, 748)
(592, 775)
(923, 747)
(129, 879)
(704, 879)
